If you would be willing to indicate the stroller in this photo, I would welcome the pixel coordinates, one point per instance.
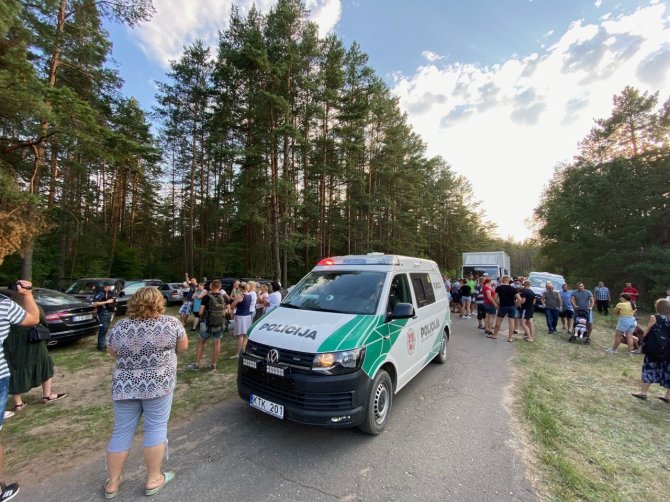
(580, 330)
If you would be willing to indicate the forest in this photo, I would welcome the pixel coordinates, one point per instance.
(269, 151)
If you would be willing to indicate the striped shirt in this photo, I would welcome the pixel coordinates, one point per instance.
(10, 313)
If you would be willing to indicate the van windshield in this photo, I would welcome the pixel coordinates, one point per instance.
(539, 281)
(345, 292)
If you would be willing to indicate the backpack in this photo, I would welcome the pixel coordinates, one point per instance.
(656, 344)
(216, 310)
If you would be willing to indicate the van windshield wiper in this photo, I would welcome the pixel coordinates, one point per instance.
(290, 306)
(321, 309)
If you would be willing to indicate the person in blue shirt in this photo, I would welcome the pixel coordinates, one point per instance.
(567, 314)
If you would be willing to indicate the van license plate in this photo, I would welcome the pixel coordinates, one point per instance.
(79, 318)
(274, 409)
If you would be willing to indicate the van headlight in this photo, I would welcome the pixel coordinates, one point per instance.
(334, 363)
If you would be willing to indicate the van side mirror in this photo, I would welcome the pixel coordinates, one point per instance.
(402, 311)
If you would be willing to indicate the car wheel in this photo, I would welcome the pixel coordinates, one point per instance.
(380, 402)
(441, 356)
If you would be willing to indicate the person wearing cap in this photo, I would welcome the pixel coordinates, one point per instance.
(104, 302)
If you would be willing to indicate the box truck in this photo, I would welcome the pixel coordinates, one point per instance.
(492, 263)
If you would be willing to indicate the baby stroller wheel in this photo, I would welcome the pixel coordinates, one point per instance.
(572, 339)
(587, 341)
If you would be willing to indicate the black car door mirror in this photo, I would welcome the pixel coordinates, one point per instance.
(402, 311)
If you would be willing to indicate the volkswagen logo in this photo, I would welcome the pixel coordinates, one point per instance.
(273, 356)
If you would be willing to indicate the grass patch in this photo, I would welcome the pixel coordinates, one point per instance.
(60, 434)
(594, 440)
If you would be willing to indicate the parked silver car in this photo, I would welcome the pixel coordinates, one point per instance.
(172, 292)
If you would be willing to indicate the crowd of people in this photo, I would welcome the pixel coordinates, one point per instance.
(145, 345)
(503, 298)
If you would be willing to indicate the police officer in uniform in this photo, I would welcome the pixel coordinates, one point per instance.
(105, 302)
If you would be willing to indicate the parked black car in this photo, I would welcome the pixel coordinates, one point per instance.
(85, 289)
(67, 317)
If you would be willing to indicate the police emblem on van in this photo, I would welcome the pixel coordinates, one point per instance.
(411, 342)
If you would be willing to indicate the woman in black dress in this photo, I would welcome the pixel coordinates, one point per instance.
(30, 364)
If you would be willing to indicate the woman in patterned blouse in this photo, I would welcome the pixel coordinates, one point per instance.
(145, 345)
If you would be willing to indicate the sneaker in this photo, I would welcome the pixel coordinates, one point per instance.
(8, 491)
(611, 351)
(8, 414)
(193, 367)
(516, 332)
(636, 351)
(234, 356)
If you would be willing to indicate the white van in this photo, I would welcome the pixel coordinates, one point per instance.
(347, 337)
(538, 281)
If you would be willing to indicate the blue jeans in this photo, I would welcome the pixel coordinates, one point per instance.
(4, 397)
(105, 318)
(552, 319)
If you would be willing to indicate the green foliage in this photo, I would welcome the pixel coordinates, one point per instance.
(608, 220)
(279, 150)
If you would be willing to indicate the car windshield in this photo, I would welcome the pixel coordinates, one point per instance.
(53, 298)
(539, 281)
(85, 287)
(346, 292)
(132, 287)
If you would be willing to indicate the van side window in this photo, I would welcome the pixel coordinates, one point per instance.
(399, 293)
(423, 289)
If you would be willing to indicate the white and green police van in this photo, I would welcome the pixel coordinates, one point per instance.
(350, 334)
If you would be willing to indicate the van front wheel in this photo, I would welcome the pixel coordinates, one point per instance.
(441, 356)
(379, 404)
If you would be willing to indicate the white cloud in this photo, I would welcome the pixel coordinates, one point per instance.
(598, 3)
(177, 24)
(325, 13)
(507, 126)
(431, 56)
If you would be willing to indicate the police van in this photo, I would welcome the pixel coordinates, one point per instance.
(349, 335)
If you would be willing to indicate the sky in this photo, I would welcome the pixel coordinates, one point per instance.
(503, 90)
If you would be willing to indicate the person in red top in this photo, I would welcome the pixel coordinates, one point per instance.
(489, 306)
(634, 294)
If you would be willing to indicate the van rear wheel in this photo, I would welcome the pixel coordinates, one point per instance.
(441, 356)
(380, 402)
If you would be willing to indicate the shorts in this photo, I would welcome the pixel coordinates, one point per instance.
(465, 300)
(526, 314)
(242, 324)
(567, 313)
(214, 333)
(626, 325)
(489, 309)
(185, 309)
(4, 397)
(481, 313)
(507, 311)
(127, 414)
(456, 298)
